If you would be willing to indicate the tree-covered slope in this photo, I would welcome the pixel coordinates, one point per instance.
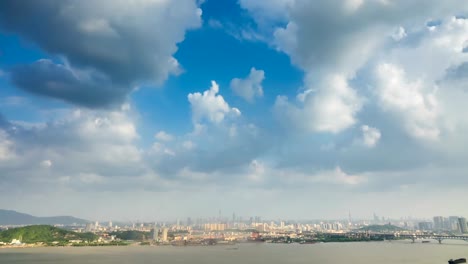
(381, 228)
(43, 233)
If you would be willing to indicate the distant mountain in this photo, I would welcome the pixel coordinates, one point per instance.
(9, 217)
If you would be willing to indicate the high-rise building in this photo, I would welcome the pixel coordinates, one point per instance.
(453, 223)
(376, 218)
(110, 224)
(425, 226)
(89, 227)
(164, 235)
(438, 223)
(155, 233)
(462, 225)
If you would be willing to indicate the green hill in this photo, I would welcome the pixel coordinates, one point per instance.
(132, 235)
(43, 233)
(381, 228)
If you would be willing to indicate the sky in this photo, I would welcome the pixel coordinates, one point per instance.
(283, 109)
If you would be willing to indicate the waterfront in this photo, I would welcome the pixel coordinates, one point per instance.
(365, 253)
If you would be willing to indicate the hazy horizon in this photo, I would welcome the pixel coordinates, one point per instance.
(285, 109)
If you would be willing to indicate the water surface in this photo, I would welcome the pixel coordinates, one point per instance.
(365, 253)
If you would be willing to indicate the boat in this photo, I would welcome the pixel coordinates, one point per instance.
(307, 242)
(457, 261)
(232, 248)
(426, 241)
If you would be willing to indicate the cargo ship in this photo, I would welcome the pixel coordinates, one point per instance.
(457, 261)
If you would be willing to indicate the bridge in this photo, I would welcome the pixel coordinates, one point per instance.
(439, 238)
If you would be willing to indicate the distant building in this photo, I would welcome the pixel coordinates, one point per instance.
(215, 227)
(155, 233)
(438, 223)
(462, 225)
(89, 227)
(425, 226)
(164, 235)
(453, 223)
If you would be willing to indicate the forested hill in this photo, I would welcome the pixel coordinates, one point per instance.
(43, 233)
(382, 228)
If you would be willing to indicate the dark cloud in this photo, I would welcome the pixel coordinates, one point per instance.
(127, 43)
(54, 80)
(457, 73)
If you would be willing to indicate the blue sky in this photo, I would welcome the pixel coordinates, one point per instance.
(185, 106)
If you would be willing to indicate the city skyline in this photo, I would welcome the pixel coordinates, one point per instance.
(307, 109)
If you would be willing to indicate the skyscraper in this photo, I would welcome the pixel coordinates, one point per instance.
(155, 233)
(438, 222)
(453, 222)
(462, 225)
(164, 235)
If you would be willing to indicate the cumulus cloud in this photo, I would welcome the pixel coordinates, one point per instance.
(251, 86)
(329, 108)
(399, 34)
(370, 136)
(6, 146)
(80, 143)
(325, 38)
(210, 106)
(267, 12)
(46, 78)
(98, 37)
(46, 164)
(163, 136)
(418, 108)
(337, 176)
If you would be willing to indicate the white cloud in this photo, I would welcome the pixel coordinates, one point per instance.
(256, 172)
(370, 136)
(6, 147)
(338, 176)
(159, 148)
(332, 38)
(399, 34)
(330, 108)
(250, 87)
(267, 11)
(210, 106)
(163, 136)
(189, 145)
(300, 178)
(410, 100)
(14, 101)
(46, 164)
(213, 23)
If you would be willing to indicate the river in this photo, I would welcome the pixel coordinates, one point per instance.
(364, 253)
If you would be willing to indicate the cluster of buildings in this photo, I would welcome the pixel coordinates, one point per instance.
(454, 224)
(160, 235)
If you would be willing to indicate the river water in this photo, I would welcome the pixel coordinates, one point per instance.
(370, 252)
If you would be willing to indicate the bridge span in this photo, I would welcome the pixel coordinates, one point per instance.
(439, 238)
